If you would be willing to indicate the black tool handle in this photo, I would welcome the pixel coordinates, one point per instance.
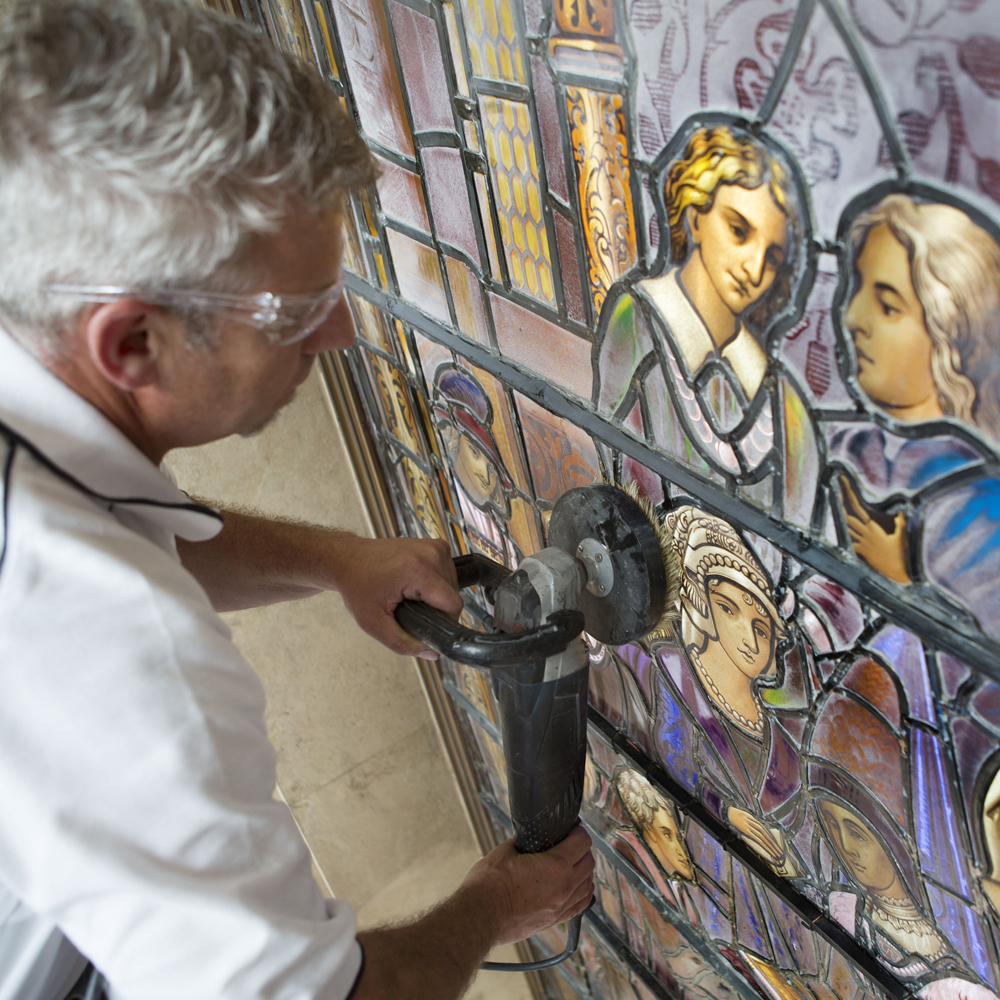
(482, 649)
(545, 742)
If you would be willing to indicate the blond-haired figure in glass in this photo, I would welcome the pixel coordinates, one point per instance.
(694, 336)
(923, 315)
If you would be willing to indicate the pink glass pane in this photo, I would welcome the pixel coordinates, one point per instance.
(402, 197)
(543, 347)
(364, 37)
(449, 195)
(423, 71)
(419, 275)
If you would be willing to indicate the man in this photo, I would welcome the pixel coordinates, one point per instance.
(170, 198)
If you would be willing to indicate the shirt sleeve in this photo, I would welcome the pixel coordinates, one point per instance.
(137, 777)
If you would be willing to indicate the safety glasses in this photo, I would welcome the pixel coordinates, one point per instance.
(284, 319)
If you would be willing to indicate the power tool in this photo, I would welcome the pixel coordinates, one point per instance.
(608, 570)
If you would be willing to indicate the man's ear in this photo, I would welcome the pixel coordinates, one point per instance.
(122, 345)
(691, 215)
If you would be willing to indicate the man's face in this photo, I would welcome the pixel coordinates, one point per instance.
(886, 322)
(665, 841)
(743, 240)
(239, 385)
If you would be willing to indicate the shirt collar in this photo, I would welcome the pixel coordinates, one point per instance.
(75, 440)
(744, 354)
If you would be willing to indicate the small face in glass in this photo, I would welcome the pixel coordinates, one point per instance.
(743, 241)
(886, 323)
(743, 630)
(476, 471)
(664, 839)
(858, 847)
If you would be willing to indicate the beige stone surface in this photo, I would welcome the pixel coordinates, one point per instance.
(359, 761)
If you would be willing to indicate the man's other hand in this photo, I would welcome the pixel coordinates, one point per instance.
(535, 891)
(375, 574)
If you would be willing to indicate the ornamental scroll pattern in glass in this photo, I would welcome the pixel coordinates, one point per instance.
(761, 281)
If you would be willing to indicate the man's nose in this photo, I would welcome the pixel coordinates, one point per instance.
(335, 333)
(755, 263)
(854, 316)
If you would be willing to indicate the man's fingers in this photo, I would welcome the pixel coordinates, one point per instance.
(574, 847)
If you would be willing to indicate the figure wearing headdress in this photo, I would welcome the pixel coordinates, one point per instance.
(464, 420)
(859, 784)
(712, 729)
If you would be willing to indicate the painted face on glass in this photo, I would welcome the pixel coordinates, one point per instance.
(476, 472)
(743, 241)
(886, 323)
(858, 847)
(744, 631)
(665, 841)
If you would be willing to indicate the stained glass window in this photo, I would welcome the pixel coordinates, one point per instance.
(745, 255)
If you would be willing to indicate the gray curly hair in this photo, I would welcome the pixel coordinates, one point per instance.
(641, 800)
(143, 143)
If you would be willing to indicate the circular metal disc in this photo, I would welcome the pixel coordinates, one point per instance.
(635, 602)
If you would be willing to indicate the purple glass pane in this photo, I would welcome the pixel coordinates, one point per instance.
(548, 122)
(750, 930)
(972, 748)
(906, 654)
(543, 347)
(449, 196)
(797, 935)
(714, 921)
(364, 36)
(964, 930)
(934, 813)
(954, 674)
(986, 705)
(570, 268)
(423, 73)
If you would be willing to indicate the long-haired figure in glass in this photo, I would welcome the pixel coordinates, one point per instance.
(923, 317)
(693, 339)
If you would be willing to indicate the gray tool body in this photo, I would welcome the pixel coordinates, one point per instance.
(603, 571)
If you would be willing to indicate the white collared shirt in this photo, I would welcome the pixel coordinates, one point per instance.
(136, 777)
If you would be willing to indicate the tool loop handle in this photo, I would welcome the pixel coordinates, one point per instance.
(483, 649)
(572, 943)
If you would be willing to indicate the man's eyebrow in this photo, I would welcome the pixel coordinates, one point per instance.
(741, 218)
(884, 286)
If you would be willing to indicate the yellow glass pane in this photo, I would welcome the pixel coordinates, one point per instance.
(455, 43)
(327, 42)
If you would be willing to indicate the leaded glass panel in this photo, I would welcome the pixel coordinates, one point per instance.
(745, 255)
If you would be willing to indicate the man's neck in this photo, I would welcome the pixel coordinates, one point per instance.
(718, 318)
(118, 406)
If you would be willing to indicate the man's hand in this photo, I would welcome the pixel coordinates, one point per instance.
(535, 891)
(505, 897)
(373, 575)
(882, 550)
